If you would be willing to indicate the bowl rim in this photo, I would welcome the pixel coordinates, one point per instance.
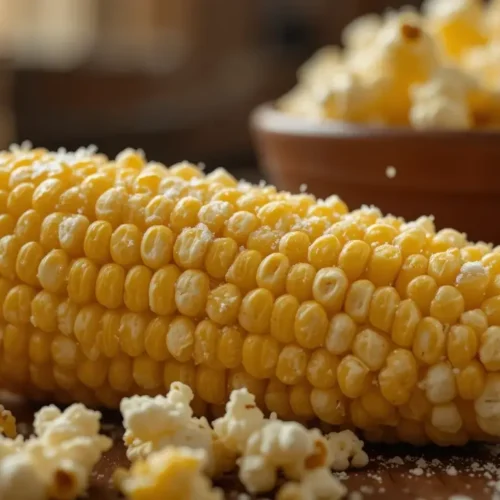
(271, 120)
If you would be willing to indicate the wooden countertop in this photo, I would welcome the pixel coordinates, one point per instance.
(395, 471)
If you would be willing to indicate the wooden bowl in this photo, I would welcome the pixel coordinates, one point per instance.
(453, 175)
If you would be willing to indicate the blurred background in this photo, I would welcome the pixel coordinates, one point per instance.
(177, 78)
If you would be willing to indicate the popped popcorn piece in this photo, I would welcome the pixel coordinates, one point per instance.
(286, 446)
(174, 472)
(58, 460)
(242, 418)
(7, 423)
(346, 449)
(154, 423)
(318, 484)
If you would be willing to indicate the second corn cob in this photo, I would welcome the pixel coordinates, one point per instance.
(119, 277)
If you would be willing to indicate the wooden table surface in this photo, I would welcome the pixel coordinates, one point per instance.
(394, 471)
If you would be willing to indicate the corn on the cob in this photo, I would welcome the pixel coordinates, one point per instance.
(119, 277)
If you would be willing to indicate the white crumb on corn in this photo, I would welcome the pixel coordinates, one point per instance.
(417, 471)
(58, 460)
(390, 172)
(174, 472)
(451, 471)
(303, 188)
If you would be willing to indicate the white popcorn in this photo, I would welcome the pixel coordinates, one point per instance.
(346, 449)
(242, 418)
(317, 484)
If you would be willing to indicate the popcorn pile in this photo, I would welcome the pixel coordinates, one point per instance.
(436, 69)
(57, 461)
(163, 438)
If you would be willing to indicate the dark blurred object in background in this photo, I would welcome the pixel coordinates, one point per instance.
(175, 77)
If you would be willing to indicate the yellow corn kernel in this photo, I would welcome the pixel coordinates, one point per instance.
(86, 328)
(490, 307)
(135, 209)
(276, 399)
(15, 343)
(180, 338)
(260, 355)
(125, 245)
(239, 379)
(491, 262)
(472, 283)
(384, 264)
(311, 324)
(191, 247)
(120, 373)
(252, 201)
(329, 405)
(73, 201)
(322, 210)
(215, 214)
(19, 199)
(72, 232)
(82, 278)
(44, 308)
(230, 194)
(295, 246)
(240, 225)
(283, 317)
(371, 347)
(4, 195)
(411, 242)
(132, 333)
(352, 376)
(109, 206)
(462, 345)
(147, 373)
(264, 240)
(162, 290)
(28, 226)
(255, 312)
(330, 287)
(358, 300)
(17, 304)
(299, 281)
(340, 334)
(92, 372)
(383, 306)
(476, 319)
(5, 286)
(46, 195)
(447, 239)
(49, 230)
(489, 352)
(353, 258)
(380, 234)
(422, 291)
(447, 305)
(324, 252)
(444, 267)
(158, 211)
(413, 266)
(429, 341)
(66, 317)
(471, 381)
(20, 175)
(417, 407)
(157, 246)
(398, 377)
(206, 339)
(314, 227)
(155, 339)
(276, 215)
(28, 260)
(493, 286)
(347, 230)
(359, 416)
(110, 283)
(185, 171)
(40, 347)
(292, 363)
(136, 288)
(336, 204)
(191, 292)
(322, 369)
(210, 385)
(185, 213)
(272, 273)
(220, 256)
(7, 224)
(9, 249)
(439, 383)
(107, 338)
(406, 320)
(223, 304)
(97, 241)
(230, 347)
